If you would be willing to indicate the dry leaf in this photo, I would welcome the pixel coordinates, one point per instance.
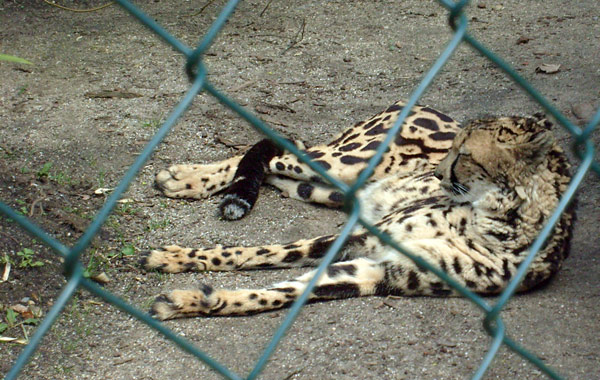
(101, 278)
(548, 68)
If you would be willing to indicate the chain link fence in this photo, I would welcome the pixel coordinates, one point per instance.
(197, 73)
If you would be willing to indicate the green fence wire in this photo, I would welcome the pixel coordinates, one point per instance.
(197, 73)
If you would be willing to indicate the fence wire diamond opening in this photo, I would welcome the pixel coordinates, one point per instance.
(197, 73)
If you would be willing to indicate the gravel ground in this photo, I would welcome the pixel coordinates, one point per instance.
(101, 84)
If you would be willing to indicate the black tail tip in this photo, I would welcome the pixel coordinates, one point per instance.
(233, 207)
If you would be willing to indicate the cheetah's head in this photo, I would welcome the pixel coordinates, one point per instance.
(494, 155)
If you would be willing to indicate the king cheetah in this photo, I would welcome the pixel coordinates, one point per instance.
(469, 201)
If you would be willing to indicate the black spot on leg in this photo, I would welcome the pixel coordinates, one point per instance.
(279, 166)
(262, 251)
(413, 280)
(298, 169)
(276, 303)
(188, 186)
(253, 296)
(226, 254)
(192, 254)
(216, 261)
(206, 289)
(341, 290)
(305, 190)
(336, 196)
(263, 302)
(292, 256)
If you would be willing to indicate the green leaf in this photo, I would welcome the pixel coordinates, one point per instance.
(12, 58)
(128, 251)
(3, 327)
(11, 316)
(31, 321)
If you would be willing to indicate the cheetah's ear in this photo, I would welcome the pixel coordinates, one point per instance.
(535, 148)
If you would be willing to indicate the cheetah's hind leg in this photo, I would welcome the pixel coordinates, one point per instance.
(353, 278)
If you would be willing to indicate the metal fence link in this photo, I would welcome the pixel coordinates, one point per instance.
(197, 73)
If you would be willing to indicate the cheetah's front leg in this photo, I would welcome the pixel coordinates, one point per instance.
(197, 181)
(354, 278)
(175, 259)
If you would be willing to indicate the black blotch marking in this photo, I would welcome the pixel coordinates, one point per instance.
(413, 280)
(456, 266)
(188, 186)
(441, 292)
(336, 196)
(284, 290)
(279, 166)
(206, 289)
(319, 246)
(291, 246)
(216, 261)
(324, 164)
(335, 270)
(192, 254)
(305, 190)
(394, 108)
(237, 304)
(292, 256)
(440, 136)
(337, 290)
(262, 251)
(315, 154)
(470, 284)
(253, 296)
(263, 302)
(376, 130)
(202, 257)
(276, 303)
(351, 160)
(427, 124)
(373, 145)
(226, 254)
(298, 169)
(265, 265)
(437, 113)
(349, 147)
(408, 227)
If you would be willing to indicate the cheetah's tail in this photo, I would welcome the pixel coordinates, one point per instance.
(243, 192)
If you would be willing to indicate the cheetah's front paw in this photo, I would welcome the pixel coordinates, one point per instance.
(172, 259)
(185, 303)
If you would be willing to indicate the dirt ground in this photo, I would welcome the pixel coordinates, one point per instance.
(100, 85)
